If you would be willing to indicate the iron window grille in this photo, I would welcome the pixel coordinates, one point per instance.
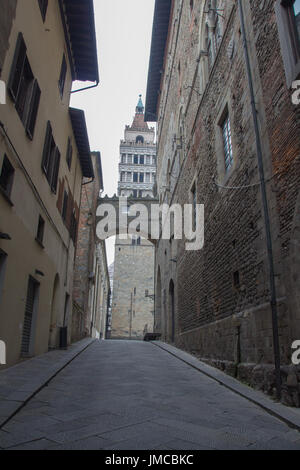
(227, 142)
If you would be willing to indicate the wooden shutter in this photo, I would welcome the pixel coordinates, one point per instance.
(56, 164)
(62, 78)
(46, 151)
(43, 7)
(17, 68)
(69, 153)
(29, 310)
(33, 109)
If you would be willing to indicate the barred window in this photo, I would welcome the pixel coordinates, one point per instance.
(227, 142)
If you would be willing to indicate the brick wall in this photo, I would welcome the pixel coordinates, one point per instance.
(216, 317)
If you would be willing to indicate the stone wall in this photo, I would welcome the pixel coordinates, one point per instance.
(132, 311)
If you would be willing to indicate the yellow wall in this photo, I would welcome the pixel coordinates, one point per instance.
(45, 47)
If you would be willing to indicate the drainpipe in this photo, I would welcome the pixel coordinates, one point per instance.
(273, 299)
(85, 88)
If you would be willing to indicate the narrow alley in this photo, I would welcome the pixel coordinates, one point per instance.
(132, 395)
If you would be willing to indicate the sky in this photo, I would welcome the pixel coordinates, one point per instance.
(123, 30)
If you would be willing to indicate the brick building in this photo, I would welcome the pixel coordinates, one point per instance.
(133, 283)
(91, 292)
(217, 302)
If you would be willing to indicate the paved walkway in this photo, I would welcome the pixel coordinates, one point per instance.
(135, 395)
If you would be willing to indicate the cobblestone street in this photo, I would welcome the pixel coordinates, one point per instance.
(135, 395)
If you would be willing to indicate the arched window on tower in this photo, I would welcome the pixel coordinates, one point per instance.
(139, 139)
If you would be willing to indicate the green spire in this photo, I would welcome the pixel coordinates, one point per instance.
(140, 107)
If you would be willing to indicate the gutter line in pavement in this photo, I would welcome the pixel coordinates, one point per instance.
(269, 410)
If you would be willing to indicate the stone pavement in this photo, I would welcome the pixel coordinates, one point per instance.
(18, 384)
(127, 395)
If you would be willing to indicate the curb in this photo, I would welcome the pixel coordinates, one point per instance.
(290, 416)
(15, 405)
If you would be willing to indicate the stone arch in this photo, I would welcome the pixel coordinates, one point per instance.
(53, 330)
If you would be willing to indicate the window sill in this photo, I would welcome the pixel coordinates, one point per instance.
(6, 196)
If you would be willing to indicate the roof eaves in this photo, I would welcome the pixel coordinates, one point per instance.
(160, 30)
(82, 141)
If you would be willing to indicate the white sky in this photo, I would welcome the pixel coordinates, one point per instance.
(124, 30)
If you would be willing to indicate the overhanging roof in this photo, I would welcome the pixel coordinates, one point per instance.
(159, 37)
(82, 141)
(79, 25)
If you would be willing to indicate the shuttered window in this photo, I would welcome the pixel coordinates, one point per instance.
(33, 109)
(69, 154)
(73, 227)
(6, 176)
(62, 78)
(17, 68)
(51, 159)
(30, 308)
(65, 206)
(23, 88)
(56, 164)
(43, 7)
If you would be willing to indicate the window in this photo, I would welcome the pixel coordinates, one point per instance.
(227, 142)
(123, 176)
(139, 139)
(236, 279)
(140, 193)
(73, 227)
(65, 206)
(62, 77)
(29, 317)
(136, 159)
(148, 161)
(194, 204)
(123, 159)
(135, 177)
(3, 259)
(141, 177)
(135, 193)
(43, 7)
(6, 176)
(40, 230)
(129, 159)
(23, 88)
(153, 177)
(138, 242)
(69, 154)
(288, 19)
(142, 160)
(51, 159)
(147, 177)
(129, 177)
(153, 160)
